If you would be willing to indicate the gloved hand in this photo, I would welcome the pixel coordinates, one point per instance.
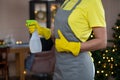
(62, 45)
(34, 25)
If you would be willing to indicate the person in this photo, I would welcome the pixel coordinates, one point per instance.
(74, 22)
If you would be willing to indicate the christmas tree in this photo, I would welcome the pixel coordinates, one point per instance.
(116, 42)
(107, 61)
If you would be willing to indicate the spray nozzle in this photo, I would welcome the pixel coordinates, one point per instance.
(31, 23)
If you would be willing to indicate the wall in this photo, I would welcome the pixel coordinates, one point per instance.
(112, 9)
(13, 14)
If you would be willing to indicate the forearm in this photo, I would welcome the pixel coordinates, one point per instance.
(99, 42)
(93, 44)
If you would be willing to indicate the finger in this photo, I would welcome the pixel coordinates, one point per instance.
(31, 30)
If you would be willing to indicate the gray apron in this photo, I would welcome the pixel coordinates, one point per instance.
(69, 67)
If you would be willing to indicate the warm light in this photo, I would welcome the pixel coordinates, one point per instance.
(18, 42)
(108, 60)
(116, 65)
(2, 42)
(119, 36)
(98, 72)
(91, 36)
(99, 62)
(103, 54)
(113, 50)
(106, 74)
(111, 66)
(35, 12)
(103, 57)
(112, 72)
(24, 72)
(107, 57)
(112, 59)
(114, 46)
(102, 71)
(117, 27)
(53, 7)
(106, 51)
(104, 66)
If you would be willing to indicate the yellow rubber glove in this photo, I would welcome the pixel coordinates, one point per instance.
(62, 45)
(34, 25)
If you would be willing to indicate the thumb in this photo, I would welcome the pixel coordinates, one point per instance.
(60, 35)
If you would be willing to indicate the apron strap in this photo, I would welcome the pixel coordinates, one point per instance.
(76, 5)
(65, 4)
(73, 6)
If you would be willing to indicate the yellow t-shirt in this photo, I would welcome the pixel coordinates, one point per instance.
(87, 14)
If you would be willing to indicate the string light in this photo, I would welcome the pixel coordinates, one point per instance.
(119, 37)
(104, 66)
(99, 62)
(108, 60)
(107, 57)
(91, 36)
(112, 72)
(103, 57)
(116, 64)
(98, 72)
(113, 50)
(106, 51)
(117, 27)
(102, 71)
(111, 66)
(114, 46)
(112, 59)
(103, 54)
(106, 74)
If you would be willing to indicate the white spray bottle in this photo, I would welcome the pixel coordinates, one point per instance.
(35, 43)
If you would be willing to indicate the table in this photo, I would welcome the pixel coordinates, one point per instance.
(19, 51)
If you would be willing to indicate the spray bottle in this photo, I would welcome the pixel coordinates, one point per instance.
(35, 43)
